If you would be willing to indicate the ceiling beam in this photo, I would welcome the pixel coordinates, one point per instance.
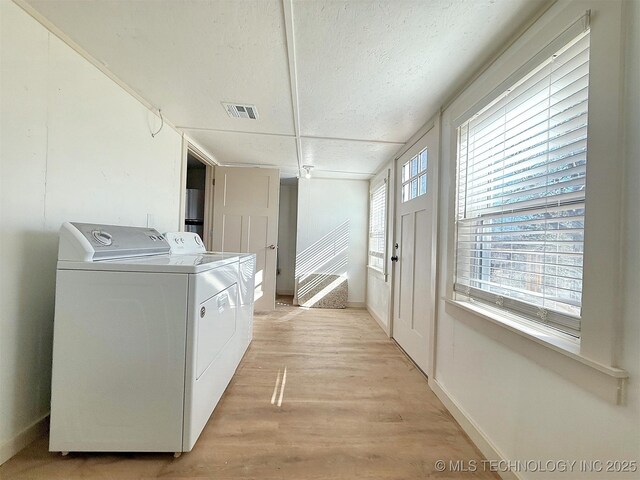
(226, 130)
(287, 6)
(342, 139)
(288, 135)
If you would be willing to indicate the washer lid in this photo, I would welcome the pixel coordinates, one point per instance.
(195, 263)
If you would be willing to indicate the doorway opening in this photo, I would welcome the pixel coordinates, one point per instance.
(197, 201)
(195, 195)
(287, 232)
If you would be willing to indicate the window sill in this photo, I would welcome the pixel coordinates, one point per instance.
(611, 380)
(377, 272)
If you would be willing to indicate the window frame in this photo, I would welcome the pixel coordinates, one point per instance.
(596, 354)
(510, 307)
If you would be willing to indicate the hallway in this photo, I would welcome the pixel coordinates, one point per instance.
(321, 394)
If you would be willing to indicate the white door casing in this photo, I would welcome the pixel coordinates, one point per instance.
(245, 220)
(190, 148)
(414, 269)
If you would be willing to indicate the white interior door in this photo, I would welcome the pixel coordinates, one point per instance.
(245, 219)
(414, 243)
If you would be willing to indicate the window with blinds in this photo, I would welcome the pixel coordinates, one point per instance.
(377, 226)
(521, 193)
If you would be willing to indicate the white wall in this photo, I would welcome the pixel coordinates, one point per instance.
(629, 424)
(287, 223)
(518, 399)
(378, 297)
(324, 205)
(74, 146)
(522, 397)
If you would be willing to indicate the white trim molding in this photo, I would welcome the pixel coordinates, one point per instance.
(477, 436)
(34, 431)
(383, 326)
(358, 305)
(604, 381)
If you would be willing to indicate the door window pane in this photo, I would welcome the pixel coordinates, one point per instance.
(414, 178)
(423, 184)
(423, 161)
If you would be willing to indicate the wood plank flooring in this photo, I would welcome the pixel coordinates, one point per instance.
(352, 407)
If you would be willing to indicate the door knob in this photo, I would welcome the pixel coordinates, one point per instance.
(272, 247)
(394, 258)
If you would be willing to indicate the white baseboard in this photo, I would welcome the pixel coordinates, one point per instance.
(9, 448)
(356, 305)
(475, 433)
(385, 328)
(284, 292)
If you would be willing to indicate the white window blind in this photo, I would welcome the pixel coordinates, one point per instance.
(521, 193)
(377, 226)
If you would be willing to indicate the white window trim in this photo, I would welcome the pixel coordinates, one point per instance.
(564, 322)
(600, 331)
(564, 344)
(606, 381)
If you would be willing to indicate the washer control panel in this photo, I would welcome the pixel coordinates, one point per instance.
(91, 242)
(103, 238)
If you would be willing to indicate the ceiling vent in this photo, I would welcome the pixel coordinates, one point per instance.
(236, 110)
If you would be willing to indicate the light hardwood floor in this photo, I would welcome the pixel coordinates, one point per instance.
(352, 407)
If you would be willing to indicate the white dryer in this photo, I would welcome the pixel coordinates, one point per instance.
(189, 243)
(145, 342)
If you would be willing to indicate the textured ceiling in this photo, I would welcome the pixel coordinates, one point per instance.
(366, 74)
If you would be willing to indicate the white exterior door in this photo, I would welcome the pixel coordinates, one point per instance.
(413, 252)
(245, 220)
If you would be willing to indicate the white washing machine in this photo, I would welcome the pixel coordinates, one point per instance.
(145, 342)
(190, 243)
